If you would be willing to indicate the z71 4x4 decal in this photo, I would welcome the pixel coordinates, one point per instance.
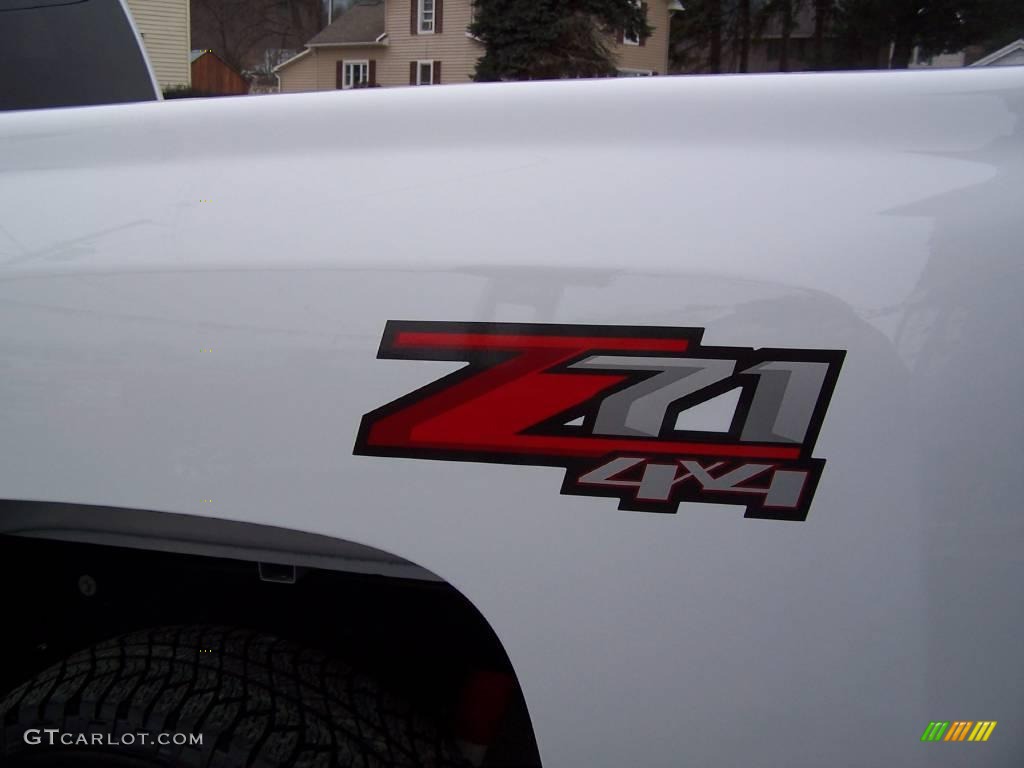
(603, 403)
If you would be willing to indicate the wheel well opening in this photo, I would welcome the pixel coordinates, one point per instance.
(416, 634)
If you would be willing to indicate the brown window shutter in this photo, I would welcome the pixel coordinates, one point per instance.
(620, 36)
(412, 72)
(414, 18)
(438, 16)
(437, 73)
(339, 74)
(373, 73)
(643, 10)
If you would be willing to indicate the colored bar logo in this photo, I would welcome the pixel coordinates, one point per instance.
(958, 730)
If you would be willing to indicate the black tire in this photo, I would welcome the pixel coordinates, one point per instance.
(259, 702)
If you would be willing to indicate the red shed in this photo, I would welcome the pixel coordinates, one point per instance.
(212, 77)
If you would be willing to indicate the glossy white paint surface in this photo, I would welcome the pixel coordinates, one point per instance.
(876, 213)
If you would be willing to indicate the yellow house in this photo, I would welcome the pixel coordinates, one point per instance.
(424, 42)
(166, 36)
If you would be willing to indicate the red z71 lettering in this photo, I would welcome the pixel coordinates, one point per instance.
(622, 389)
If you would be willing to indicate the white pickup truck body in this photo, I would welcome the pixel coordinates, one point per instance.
(194, 300)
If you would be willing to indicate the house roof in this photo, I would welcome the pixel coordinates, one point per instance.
(1002, 53)
(361, 23)
(292, 60)
(196, 54)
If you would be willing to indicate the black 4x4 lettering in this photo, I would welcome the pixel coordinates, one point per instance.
(657, 482)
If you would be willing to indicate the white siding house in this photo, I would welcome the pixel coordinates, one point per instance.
(1011, 55)
(164, 26)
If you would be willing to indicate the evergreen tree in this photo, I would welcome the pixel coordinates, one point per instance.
(936, 26)
(713, 36)
(550, 39)
(785, 13)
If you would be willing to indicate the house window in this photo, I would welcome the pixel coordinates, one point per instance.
(356, 73)
(474, 17)
(632, 39)
(424, 72)
(426, 16)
